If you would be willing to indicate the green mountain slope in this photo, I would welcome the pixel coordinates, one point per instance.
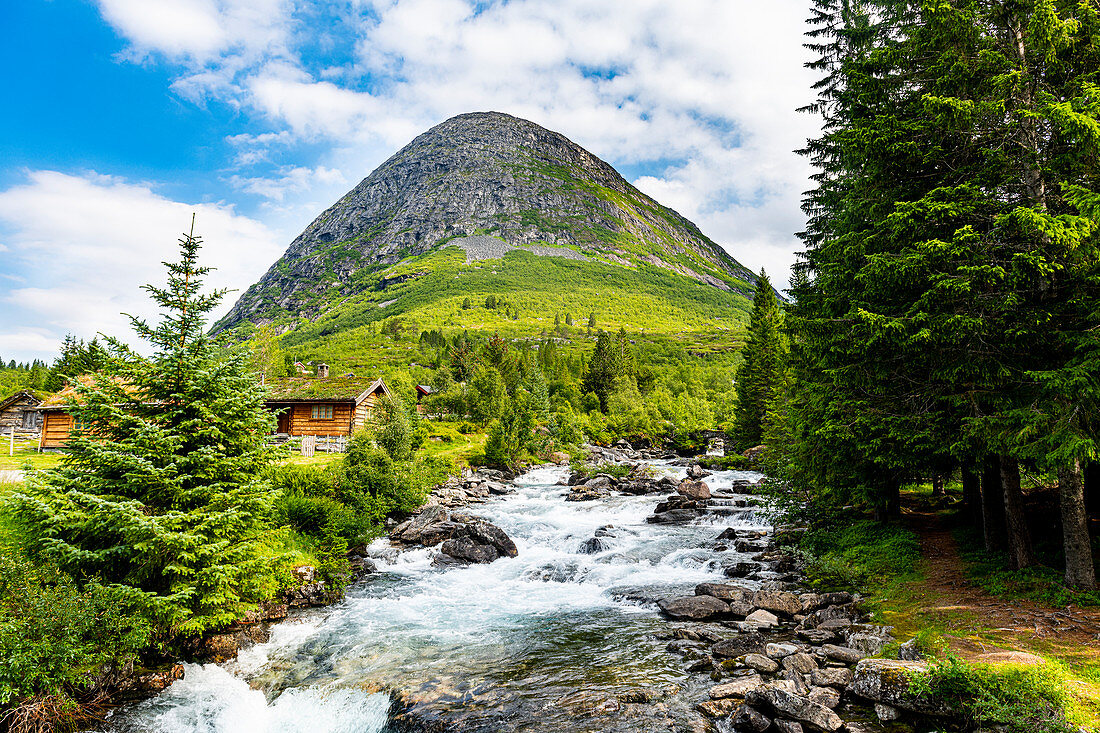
(487, 204)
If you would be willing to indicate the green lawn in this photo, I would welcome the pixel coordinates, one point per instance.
(25, 453)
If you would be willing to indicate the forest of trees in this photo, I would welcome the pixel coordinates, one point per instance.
(945, 310)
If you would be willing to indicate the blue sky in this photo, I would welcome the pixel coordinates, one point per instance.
(125, 116)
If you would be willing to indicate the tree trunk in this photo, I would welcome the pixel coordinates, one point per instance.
(972, 494)
(993, 525)
(1092, 489)
(889, 505)
(1080, 571)
(939, 484)
(1020, 554)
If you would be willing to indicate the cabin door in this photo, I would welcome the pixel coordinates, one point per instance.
(284, 421)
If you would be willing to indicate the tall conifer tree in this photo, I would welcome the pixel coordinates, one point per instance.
(159, 490)
(761, 372)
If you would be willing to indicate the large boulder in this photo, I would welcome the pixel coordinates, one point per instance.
(477, 542)
(887, 681)
(726, 591)
(694, 608)
(695, 490)
(781, 602)
(410, 532)
(789, 705)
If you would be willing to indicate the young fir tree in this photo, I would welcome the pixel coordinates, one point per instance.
(606, 365)
(159, 490)
(761, 372)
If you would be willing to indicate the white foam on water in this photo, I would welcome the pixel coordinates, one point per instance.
(211, 700)
(421, 627)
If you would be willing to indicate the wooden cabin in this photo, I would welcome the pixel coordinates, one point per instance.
(20, 412)
(57, 420)
(422, 391)
(324, 407)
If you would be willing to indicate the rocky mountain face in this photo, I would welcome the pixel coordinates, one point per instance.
(487, 182)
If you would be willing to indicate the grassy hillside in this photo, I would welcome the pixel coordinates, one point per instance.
(399, 302)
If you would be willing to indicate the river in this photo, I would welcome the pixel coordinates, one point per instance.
(551, 640)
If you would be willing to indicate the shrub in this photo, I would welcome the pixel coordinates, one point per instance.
(55, 634)
(1025, 699)
(861, 555)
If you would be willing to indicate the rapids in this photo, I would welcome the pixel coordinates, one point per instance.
(530, 643)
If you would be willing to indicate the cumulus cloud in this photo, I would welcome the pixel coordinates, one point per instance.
(86, 243)
(700, 95)
(288, 180)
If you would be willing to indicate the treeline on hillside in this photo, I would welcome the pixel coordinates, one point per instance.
(617, 390)
(945, 310)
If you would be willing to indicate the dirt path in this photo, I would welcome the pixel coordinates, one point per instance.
(1008, 628)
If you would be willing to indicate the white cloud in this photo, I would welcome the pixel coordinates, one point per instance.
(706, 88)
(200, 30)
(289, 180)
(85, 244)
(21, 342)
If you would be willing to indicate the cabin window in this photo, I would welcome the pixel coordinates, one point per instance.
(322, 412)
(80, 425)
(28, 420)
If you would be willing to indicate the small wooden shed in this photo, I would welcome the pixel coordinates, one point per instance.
(324, 407)
(19, 411)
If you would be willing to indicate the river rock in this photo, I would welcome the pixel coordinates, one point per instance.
(817, 637)
(887, 681)
(826, 696)
(815, 601)
(788, 726)
(778, 651)
(695, 608)
(738, 646)
(760, 619)
(697, 472)
(761, 663)
(751, 720)
(144, 683)
(777, 601)
(409, 532)
(796, 707)
(843, 654)
(801, 663)
(722, 708)
(741, 569)
(886, 713)
(724, 591)
(695, 490)
(592, 546)
(477, 542)
(737, 688)
(910, 651)
(831, 677)
(583, 492)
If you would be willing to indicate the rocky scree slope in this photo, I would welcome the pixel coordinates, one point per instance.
(500, 182)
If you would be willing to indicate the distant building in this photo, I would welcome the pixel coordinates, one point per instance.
(422, 391)
(323, 407)
(20, 411)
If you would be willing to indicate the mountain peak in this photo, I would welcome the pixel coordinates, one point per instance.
(488, 182)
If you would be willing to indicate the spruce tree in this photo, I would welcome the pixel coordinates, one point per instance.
(761, 370)
(159, 491)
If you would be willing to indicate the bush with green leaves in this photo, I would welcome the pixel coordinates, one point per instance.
(1017, 699)
(55, 634)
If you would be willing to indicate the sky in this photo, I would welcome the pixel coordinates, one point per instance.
(122, 118)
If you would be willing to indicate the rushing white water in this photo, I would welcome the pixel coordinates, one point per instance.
(491, 646)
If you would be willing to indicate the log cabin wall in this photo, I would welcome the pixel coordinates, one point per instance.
(302, 422)
(56, 427)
